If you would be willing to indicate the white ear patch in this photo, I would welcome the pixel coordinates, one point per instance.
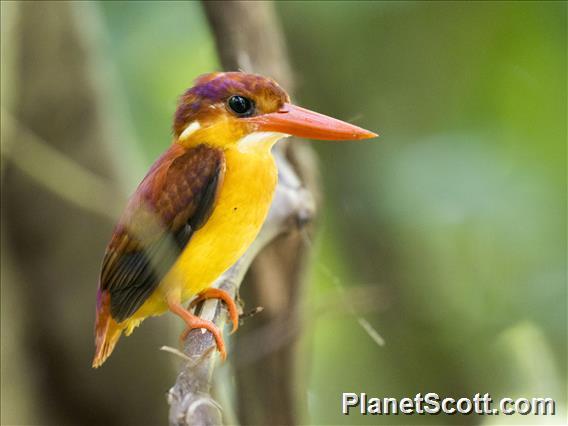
(191, 128)
(259, 140)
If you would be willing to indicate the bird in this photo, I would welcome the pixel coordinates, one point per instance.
(201, 204)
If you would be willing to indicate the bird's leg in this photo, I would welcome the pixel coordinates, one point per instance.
(193, 321)
(216, 293)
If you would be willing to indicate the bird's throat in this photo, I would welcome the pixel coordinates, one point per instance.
(259, 142)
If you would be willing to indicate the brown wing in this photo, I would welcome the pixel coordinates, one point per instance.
(174, 200)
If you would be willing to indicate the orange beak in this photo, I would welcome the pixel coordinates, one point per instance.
(301, 122)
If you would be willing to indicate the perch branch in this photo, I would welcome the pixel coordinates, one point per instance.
(248, 37)
(190, 400)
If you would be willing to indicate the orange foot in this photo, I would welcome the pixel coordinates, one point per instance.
(193, 322)
(216, 293)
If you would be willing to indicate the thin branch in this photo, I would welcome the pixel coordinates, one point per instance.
(190, 400)
(248, 37)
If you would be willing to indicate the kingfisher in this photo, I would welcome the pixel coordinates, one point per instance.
(201, 204)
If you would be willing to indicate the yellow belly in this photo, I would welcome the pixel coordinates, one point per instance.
(242, 205)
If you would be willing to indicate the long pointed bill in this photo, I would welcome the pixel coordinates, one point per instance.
(301, 122)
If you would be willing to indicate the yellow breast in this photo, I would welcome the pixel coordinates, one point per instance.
(241, 207)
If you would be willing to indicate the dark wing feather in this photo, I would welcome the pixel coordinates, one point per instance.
(175, 199)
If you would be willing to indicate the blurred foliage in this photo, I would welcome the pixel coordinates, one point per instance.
(158, 49)
(458, 211)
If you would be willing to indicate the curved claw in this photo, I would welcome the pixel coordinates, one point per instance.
(216, 293)
(193, 322)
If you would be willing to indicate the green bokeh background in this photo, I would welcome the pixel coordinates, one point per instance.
(447, 234)
(457, 214)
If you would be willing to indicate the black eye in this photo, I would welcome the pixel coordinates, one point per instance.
(241, 106)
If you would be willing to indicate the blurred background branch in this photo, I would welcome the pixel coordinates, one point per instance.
(57, 173)
(248, 37)
(57, 125)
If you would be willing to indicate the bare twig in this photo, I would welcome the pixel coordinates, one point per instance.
(190, 400)
(248, 38)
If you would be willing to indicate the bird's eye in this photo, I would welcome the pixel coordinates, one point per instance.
(241, 106)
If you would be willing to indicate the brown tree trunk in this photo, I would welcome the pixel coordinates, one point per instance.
(269, 392)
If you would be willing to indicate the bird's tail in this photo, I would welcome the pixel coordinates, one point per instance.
(107, 330)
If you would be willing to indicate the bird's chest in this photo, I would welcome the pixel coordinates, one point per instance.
(241, 207)
(247, 190)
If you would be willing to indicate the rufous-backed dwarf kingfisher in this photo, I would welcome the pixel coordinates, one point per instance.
(202, 203)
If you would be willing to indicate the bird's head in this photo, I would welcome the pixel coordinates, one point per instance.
(250, 111)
